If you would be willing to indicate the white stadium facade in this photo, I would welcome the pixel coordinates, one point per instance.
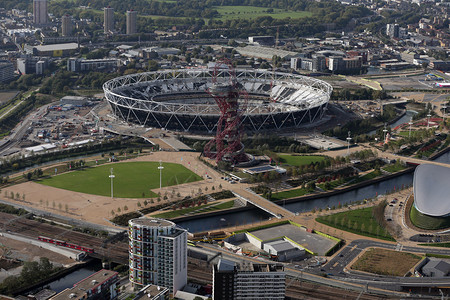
(431, 208)
(178, 99)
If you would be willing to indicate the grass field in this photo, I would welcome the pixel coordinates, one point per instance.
(132, 179)
(300, 160)
(202, 208)
(6, 96)
(290, 194)
(386, 262)
(394, 168)
(359, 221)
(251, 12)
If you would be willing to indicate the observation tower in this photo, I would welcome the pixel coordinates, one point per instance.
(227, 145)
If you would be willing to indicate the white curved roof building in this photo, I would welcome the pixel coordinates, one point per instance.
(432, 190)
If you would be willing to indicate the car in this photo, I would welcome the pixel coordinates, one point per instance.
(388, 219)
(341, 255)
(391, 204)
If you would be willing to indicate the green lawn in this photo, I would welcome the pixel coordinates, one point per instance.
(300, 160)
(251, 12)
(205, 208)
(368, 176)
(290, 194)
(394, 168)
(359, 221)
(132, 179)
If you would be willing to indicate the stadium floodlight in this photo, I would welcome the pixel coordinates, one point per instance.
(160, 174)
(112, 177)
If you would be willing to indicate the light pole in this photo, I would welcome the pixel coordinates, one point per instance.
(160, 174)
(112, 177)
(348, 144)
(443, 116)
(410, 123)
(428, 119)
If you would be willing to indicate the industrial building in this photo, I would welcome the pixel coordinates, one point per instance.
(157, 253)
(55, 50)
(248, 281)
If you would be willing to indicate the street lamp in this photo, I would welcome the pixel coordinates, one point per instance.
(428, 119)
(112, 177)
(410, 123)
(348, 144)
(443, 117)
(160, 174)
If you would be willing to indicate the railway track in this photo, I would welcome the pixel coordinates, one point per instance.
(117, 252)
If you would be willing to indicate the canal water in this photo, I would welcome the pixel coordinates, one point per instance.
(404, 119)
(70, 279)
(257, 215)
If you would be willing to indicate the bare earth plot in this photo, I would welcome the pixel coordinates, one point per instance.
(386, 262)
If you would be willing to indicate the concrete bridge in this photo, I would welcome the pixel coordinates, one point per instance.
(248, 196)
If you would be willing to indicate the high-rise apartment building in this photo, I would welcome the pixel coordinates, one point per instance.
(131, 21)
(108, 19)
(66, 25)
(157, 253)
(393, 30)
(248, 281)
(40, 11)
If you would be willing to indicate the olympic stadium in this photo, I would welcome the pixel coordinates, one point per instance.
(431, 208)
(179, 99)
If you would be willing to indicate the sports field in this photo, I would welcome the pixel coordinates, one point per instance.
(132, 179)
(300, 160)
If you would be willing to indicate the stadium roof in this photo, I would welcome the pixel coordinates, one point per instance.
(432, 190)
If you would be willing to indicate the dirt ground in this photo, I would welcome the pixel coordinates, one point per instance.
(386, 262)
(98, 209)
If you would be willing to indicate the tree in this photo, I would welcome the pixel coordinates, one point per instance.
(66, 207)
(145, 202)
(125, 208)
(60, 206)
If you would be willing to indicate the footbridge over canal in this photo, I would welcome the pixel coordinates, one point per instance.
(248, 196)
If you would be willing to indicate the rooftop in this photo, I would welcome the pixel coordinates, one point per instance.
(68, 46)
(152, 222)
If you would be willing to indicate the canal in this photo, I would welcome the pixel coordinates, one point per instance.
(256, 215)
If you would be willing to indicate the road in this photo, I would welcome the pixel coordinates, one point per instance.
(336, 267)
(20, 130)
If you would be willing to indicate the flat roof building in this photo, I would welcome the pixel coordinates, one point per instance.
(55, 50)
(99, 285)
(248, 281)
(6, 71)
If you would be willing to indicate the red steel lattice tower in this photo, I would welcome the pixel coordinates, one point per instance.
(227, 145)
